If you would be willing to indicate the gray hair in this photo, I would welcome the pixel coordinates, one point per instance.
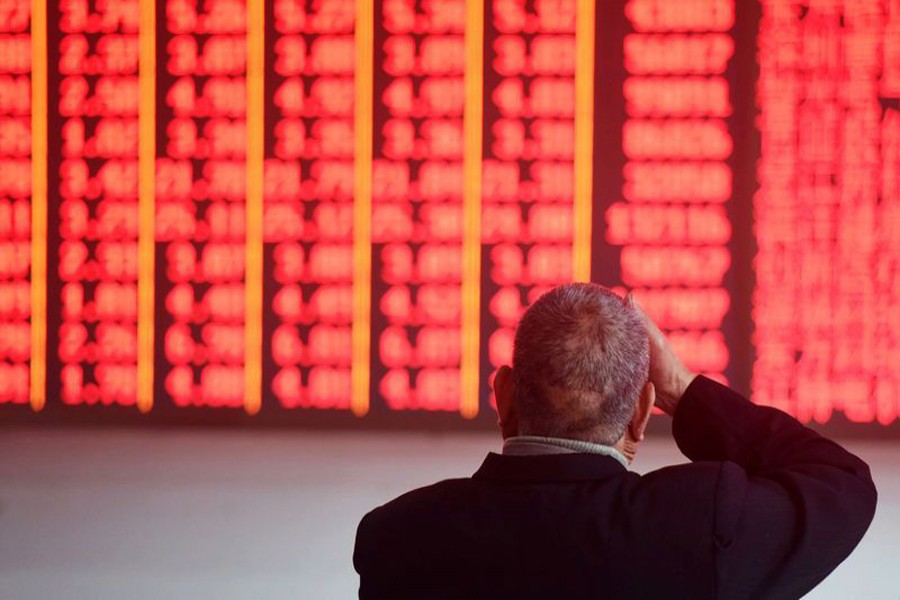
(580, 359)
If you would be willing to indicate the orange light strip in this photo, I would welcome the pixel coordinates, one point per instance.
(38, 204)
(253, 276)
(584, 140)
(360, 372)
(473, 122)
(146, 203)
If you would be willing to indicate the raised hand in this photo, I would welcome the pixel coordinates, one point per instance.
(667, 373)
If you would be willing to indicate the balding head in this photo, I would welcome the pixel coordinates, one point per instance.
(580, 360)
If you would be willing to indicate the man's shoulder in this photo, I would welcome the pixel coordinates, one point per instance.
(428, 497)
(401, 527)
(687, 482)
(688, 490)
(699, 472)
(622, 508)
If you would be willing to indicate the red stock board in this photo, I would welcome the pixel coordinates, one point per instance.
(316, 211)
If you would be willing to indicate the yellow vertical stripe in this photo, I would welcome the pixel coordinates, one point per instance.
(584, 140)
(253, 279)
(362, 209)
(146, 203)
(473, 114)
(38, 203)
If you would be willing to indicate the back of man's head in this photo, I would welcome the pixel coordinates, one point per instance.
(580, 359)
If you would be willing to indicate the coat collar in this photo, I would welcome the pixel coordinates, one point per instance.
(548, 467)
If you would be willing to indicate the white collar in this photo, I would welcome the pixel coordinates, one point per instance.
(530, 445)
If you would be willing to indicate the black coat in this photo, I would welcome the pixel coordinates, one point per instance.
(766, 509)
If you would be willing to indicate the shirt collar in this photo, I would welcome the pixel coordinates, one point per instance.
(531, 445)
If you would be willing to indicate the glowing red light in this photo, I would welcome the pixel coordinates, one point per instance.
(827, 213)
(672, 225)
(824, 217)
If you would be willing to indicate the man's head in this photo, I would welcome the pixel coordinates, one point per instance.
(580, 369)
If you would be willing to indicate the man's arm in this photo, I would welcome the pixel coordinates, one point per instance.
(790, 504)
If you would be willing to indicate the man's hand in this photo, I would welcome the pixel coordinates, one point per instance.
(667, 373)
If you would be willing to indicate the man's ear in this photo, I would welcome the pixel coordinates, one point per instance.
(642, 413)
(503, 397)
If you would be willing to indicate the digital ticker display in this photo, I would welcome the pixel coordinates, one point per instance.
(310, 211)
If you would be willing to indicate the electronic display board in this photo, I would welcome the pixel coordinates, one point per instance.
(92, 151)
(335, 211)
(201, 203)
(826, 214)
(309, 175)
(16, 205)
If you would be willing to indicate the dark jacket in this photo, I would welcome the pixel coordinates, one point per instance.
(766, 509)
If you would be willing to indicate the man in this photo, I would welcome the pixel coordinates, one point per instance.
(766, 509)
